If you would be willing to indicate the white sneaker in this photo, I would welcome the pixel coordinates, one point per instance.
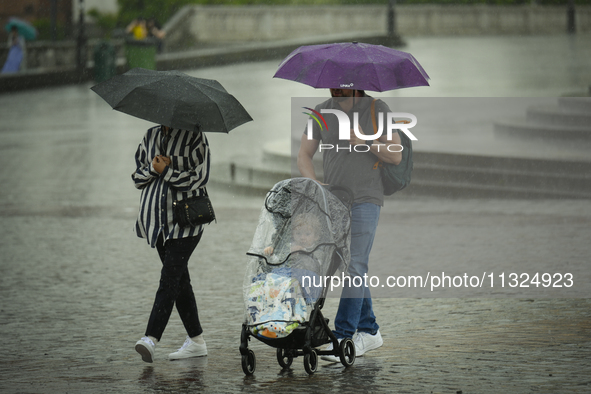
(364, 342)
(145, 347)
(330, 357)
(188, 350)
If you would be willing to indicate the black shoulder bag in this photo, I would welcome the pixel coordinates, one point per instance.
(193, 211)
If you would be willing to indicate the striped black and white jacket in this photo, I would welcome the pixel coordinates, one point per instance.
(185, 177)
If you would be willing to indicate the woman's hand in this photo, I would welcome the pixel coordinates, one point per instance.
(160, 162)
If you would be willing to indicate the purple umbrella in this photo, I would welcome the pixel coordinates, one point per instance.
(353, 66)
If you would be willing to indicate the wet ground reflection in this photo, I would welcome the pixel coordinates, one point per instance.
(188, 376)
(365, 376)
(76, 283)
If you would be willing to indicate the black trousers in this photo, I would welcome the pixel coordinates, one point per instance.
(175, 287)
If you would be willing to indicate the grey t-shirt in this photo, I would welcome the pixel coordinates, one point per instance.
(354, 169)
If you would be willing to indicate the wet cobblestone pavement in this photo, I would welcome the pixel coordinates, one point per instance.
(73, 307)
(77, 285)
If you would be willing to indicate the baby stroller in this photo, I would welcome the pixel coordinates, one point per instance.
(302, 238)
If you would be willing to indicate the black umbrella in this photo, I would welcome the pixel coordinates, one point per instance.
(174, 99)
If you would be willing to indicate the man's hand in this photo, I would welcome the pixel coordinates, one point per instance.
(354, 140)
(160, 162)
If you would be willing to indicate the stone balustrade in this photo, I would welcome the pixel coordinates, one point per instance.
(214, 25)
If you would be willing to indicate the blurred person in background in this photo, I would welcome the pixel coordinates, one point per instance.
(17, 54)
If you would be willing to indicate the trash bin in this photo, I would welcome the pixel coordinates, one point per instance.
(104, 61)
(140, 53)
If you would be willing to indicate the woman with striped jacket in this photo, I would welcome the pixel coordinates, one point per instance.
(172, 164)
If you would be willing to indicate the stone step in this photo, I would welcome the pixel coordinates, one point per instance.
(243, 180)
(434, 173)
(566, 167)
(582, 104)
(537, 174)
(431, 180)
(551, 183)
(559, 116)
(463, 190)
(452, 184)
(497, 163)
(522, 128)
(570, 119)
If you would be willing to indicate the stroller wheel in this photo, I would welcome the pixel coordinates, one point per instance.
(249, 362)
(347, 352)
(284, 358)
(311, 362)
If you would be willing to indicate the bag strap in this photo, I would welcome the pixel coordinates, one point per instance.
(373, 116)
(375, 128)
(379, 163)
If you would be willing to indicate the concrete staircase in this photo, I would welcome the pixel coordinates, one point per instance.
(568, 120)
(475, 176)
(454, 175)
(254, 175)
(435, 174)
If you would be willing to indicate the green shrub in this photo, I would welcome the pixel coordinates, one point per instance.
(106, 22)
(43, 26)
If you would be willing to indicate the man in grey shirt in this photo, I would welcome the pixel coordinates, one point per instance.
(353, 163)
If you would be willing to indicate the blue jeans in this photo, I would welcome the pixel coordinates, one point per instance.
(355, 311)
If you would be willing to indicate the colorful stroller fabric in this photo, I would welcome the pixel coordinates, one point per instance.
(276, 301)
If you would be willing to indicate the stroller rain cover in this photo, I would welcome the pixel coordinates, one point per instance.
(303, 237)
